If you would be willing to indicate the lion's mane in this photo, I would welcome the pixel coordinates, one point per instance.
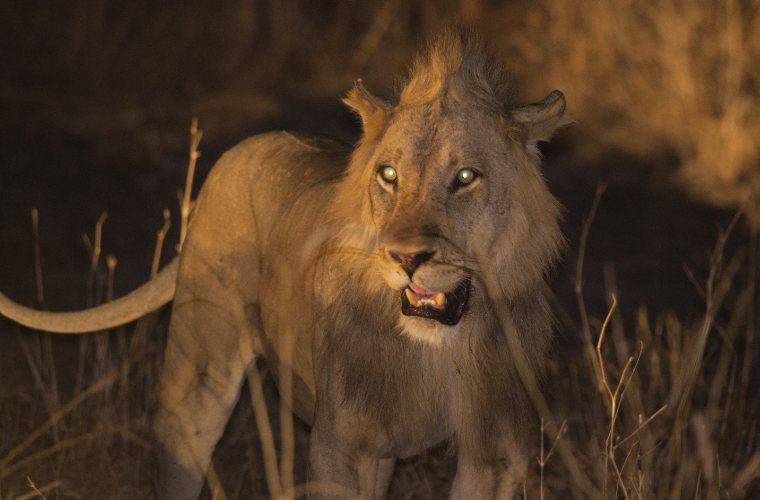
(381, 371)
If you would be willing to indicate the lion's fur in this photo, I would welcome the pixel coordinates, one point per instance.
(290, 255)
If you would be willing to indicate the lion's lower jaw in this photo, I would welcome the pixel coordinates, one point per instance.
(428, 332)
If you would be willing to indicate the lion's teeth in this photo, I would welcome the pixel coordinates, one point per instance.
(440, 299)
(413, 298)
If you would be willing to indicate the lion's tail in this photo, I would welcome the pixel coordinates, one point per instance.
(145, 299)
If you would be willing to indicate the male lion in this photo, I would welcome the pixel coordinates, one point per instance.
(361, 271)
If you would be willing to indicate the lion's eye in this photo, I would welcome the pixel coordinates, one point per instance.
(388, 173)
(465, 176)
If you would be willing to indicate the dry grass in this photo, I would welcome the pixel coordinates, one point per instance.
(658, 75)
(670, 79)
(669, 412)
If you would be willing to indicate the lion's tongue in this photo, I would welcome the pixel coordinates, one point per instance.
(419, 296)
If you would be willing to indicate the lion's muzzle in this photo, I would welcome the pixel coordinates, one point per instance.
(446, 308)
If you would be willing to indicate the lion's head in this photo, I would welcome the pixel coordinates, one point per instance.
(449, 170)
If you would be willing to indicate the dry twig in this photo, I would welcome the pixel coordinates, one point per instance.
(589, 346)
(195, 139)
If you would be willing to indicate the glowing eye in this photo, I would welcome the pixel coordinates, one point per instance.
(465, 176)
(388, 173)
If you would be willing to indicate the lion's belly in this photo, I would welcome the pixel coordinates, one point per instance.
(286, 294)
(286, 325)
(303, 393)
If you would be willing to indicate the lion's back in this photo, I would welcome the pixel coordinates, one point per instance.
(283, 163)
(265, 174)
(279, 156)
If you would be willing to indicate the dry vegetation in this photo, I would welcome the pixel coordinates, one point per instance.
(659, 75)
(670, 409)
(663, 408)
(671, 79)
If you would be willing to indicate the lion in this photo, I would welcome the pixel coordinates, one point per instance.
(359, 272)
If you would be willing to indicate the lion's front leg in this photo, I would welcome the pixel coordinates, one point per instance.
(500, 478)
(345, 460)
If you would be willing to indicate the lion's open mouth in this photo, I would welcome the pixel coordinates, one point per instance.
(446, 308)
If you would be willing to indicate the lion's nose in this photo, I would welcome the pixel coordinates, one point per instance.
(410, 261)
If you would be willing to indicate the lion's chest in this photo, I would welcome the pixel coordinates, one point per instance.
(420, 431)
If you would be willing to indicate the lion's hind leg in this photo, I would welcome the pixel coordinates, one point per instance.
(208, 351)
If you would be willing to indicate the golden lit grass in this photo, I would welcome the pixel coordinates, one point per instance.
(644, 76)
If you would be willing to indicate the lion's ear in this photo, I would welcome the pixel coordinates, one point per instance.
(370, 108)
(541, 119)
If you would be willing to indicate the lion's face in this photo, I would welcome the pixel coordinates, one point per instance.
(423, 203)
(429, 191)
(449, 177)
